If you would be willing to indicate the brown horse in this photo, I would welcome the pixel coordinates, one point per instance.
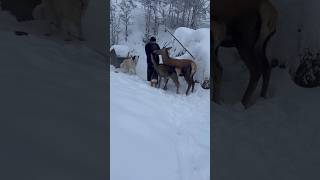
(247, 25)
(185, 67)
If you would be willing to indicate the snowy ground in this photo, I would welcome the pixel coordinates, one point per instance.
(156, 134)
(52, 106)
(276, 138)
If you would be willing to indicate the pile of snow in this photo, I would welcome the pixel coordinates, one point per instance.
(157, 134)
(121, 50)
(198, 44)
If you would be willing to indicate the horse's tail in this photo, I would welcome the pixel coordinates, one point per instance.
(269, 18)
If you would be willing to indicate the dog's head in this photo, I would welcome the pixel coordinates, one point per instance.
(135, 59)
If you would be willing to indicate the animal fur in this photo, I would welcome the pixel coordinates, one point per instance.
(251, 24)
(129, 65)
(64, 16)
(166, 72)
(186, 67)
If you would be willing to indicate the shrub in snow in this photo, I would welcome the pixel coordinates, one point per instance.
(308, 72)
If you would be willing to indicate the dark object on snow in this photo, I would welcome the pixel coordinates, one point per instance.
(149, 48)
(205, 84)
(115, 60)
(308, 72)
(21, 9)
(21, 33)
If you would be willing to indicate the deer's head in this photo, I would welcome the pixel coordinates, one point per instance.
(163, 51)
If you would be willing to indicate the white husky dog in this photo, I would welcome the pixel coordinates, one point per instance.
(129, 65)
(63, 15)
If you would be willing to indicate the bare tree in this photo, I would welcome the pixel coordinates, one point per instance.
(126, 7)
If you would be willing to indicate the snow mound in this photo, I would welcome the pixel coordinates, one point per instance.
(121, 50)
(198, 43)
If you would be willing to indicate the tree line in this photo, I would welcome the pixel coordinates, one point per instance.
(170, 13)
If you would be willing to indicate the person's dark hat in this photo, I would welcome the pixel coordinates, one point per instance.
(153, 39)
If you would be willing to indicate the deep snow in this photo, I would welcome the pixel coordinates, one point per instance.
(157, 134)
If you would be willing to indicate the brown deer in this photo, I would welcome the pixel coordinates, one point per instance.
(247, 25)
(166, 72)
(185, 67)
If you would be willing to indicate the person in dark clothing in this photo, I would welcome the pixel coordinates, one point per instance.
(149, 48)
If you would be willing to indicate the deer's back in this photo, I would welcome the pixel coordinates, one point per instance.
(179, 63)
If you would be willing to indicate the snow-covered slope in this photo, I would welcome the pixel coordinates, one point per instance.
(52, 107)
(157, 134)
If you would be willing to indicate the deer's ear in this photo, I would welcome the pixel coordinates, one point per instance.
(168, 48)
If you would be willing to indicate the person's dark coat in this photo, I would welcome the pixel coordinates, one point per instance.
(149, 48)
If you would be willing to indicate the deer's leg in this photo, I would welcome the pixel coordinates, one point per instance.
(217, 77)
(246, 33)
(159, 81)
(174, 78)
(219, 32)
(265, 65)
(255, 71)
(193, 82)
(165, 85)
(189, 83)
(266, 73)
